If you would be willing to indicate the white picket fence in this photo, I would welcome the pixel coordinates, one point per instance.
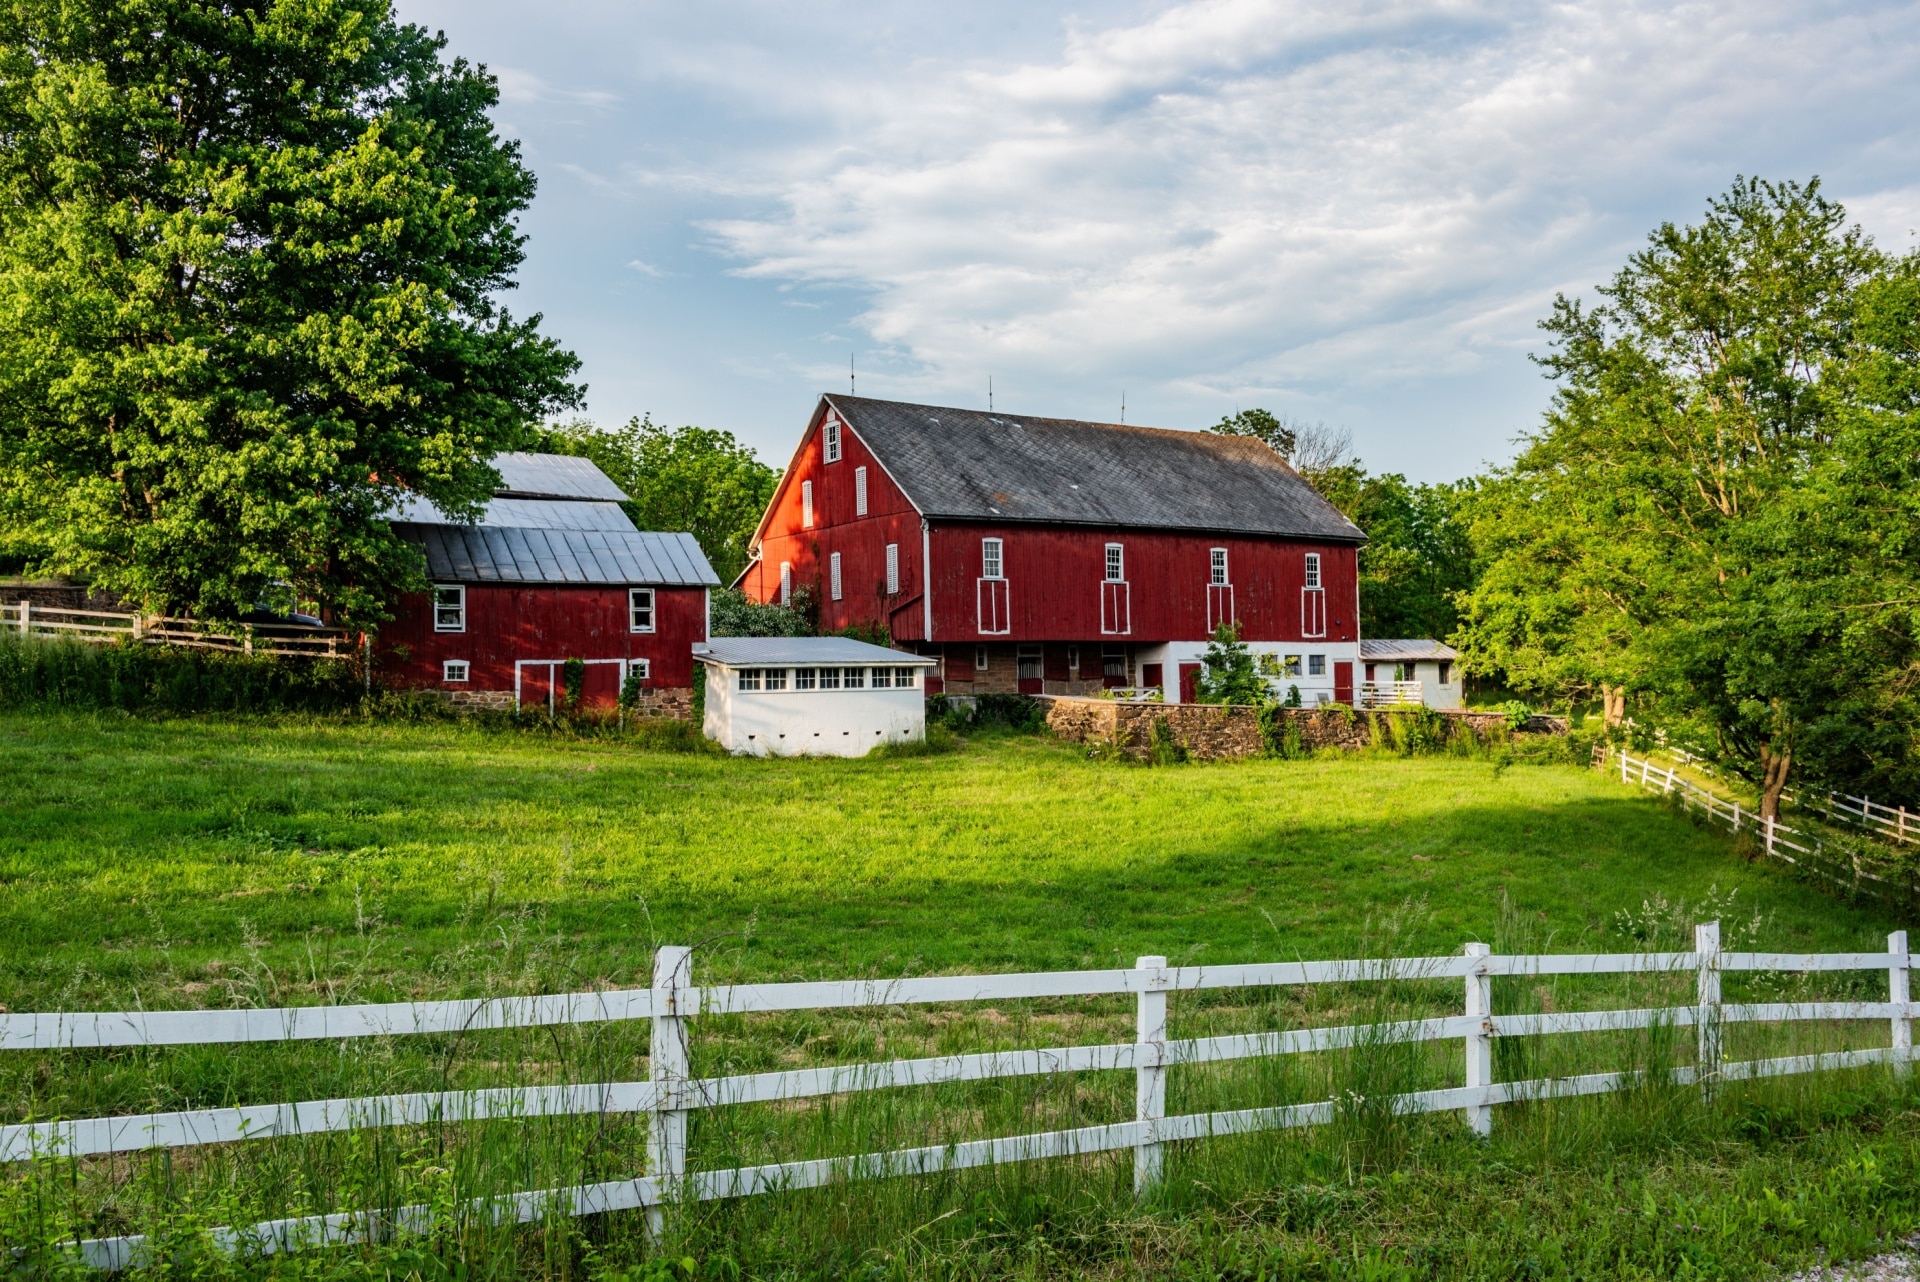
(1893, 823)
(669, 1094)
(108, 626)
(1855, 869)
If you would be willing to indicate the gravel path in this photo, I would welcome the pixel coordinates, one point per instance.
(1895, 1266)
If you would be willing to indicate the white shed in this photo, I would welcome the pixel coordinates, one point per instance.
(1409, 671)
(810, 696)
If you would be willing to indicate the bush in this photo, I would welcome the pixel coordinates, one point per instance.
(167, 679)
(1281, 733)
(733, 615)
(1018, 712)
(1162, 748)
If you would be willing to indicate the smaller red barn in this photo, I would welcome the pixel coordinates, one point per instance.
(554, 571)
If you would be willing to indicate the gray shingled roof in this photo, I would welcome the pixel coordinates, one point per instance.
(493, 554)
(552, 476)
(1405, 650)
(974, 465)
(750, 652)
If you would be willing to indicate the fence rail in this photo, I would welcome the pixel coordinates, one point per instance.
(1893, 823)
(1392, 694)
(105, 626)
(670, 1093)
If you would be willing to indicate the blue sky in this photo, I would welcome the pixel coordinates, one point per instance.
(1346, 212)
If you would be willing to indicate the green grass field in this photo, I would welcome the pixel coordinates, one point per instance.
(166, 864)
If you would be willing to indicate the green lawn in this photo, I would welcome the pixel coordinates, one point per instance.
(157, 861)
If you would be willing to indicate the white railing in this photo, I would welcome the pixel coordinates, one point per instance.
(1893, 823)
(670, 1093)
(1855, 869)
(1392, 694)
(107, 626)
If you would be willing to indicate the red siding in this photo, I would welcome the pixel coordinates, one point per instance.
(510, 623)
(861, 541)
(1055, 575)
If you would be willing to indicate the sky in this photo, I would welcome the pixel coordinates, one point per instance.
(1350, 213)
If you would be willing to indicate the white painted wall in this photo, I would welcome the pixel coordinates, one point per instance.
(1174, 653)
(815, 723)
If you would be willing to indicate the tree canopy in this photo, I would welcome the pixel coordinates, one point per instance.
(249, 262)
(697, 479)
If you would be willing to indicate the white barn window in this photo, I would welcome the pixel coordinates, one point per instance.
(776, 678)
(893, 568)
(990, 559)
(786, 583)
(1219, 567)
(1116, 563)
(833, 439)
(853, 678)
(449, 608)
(859, 491)
(979, 658)
(454, 670)
(833, 575)
(806, 504)
(1313, 569)
(749, 678)
(805, 678)
(640, 609)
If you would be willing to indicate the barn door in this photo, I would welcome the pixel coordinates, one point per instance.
(1029, 670)
(1189, 683)
(1313, 612)
(1343, 683)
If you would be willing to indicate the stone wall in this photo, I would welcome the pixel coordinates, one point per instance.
(1211, 731)
(661, 703)
(676, 703)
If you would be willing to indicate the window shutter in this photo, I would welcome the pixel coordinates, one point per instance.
(833, 571)
(893, 568)
(806, 503)
(859, 491)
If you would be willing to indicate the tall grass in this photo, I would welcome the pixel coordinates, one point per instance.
(59, 673)
(1660, 1180)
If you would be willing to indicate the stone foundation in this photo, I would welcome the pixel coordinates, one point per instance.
(676, 703)
(479, 700)
(667, 702)
(1211, 731)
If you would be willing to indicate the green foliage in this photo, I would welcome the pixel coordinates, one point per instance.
(249, 256)
(1020, 713)
(1228, 674)
(573, 679)
(1419, 555)
(1517, 714)
(1163, 748)
(872, 632)
(630, 688)
(698, 480)
(1716, 514)
(1281, 733)
(733, 614)
(166, 679)
(1280, 436)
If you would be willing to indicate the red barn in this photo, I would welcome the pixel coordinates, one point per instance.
(553, 571)
(1054, 556)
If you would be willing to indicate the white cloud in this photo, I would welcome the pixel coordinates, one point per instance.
(522, 88)
(1242, 194)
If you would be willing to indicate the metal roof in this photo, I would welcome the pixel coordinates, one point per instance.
(753, 652)
(497, 554)
(974, 465)
(552, 476)
(525, 514)
(1406, 650)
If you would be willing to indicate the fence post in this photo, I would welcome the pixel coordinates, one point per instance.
(1900, 993)
(26, 617)
(1479, 1041)
(1150, 1071)
(1623, 765)
(1706, 945)
(1769, 822)
(1736, 814)
(667, 1068)
(1669, 791)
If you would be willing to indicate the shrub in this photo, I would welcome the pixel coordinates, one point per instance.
(168, 679)
(1163, 749)
(1281, 733)
(1017, 712)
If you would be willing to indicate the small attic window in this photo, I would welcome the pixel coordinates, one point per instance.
(833, 439)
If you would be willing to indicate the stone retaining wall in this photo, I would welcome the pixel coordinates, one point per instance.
(676, 704)
(1211, 731)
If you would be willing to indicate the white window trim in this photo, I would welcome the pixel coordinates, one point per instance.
(1116, 560)
(642, 668)
(653, 606)
(1218, 573)
(833, 574)
(1312, 572)
(461, 607)
(806, 504)
(860, 491)
(447, 669)
(994, 566)
(893, 568)
(831, 449)
(979, 658)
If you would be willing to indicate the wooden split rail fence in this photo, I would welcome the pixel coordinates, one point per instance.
(670, 1093)
(109, 626)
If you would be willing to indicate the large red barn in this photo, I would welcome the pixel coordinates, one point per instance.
(553, 571)
(1055, 556)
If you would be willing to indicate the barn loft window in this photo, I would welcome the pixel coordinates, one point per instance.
(454, 670)
(859, 491)
(893, 568)
(1313, 570)
(990, 563)
(833, 575)
(1219, 567)
(786, 583)
(640, 609)
(1116, 563)
(806, 504)
(449, 608)
(749, 679)
(833, 439)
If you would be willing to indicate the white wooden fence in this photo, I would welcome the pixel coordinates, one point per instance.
(669, 1093)
(108, 626)
(1391, 694)
(1858, 870)
(1892, 823)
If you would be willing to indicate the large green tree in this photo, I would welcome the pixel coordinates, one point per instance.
(249, 260)
(1722, 461)
(696, 479)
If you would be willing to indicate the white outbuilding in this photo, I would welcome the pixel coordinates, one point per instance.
(810, 696)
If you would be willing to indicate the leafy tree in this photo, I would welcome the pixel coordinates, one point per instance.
(1418, 556)
(249, 256)
(733, 614)
(1670, 531)
(1278, 433)
(696, 479)
(1227, 674)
